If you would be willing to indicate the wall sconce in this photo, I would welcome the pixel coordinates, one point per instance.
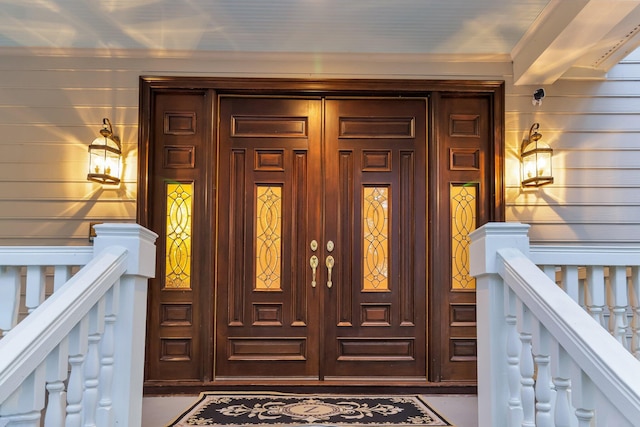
(105, 153)
(536, 160)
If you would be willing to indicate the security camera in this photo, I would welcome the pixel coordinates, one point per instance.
(537, 97)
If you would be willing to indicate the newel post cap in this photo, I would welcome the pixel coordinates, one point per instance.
(139, 242)
(488, 239)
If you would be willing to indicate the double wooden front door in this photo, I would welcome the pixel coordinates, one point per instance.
(315, 232)
(321, 243)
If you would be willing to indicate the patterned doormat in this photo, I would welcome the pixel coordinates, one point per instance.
(269, 409)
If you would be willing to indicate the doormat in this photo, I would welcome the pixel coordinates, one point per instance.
(270, 409)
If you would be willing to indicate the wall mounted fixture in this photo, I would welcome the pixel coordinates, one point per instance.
(105, 153)
(536, 160)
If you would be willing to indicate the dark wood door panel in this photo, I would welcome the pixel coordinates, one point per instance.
(267, 203)
(178, 155)
(376, 205)
(464, 180)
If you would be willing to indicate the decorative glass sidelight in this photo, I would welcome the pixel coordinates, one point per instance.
(463, 221)
(375, 217)
(178, 247)
(268, 238)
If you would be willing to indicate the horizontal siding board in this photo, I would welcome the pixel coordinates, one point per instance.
(50, 232)
(583, 233)
(69, 116)
(72, 97)
(63, 209)
(558, 104)
(559, 140)
(577, 197)
(593, 214)
(70, 191)
(60, 78)
(581, 88)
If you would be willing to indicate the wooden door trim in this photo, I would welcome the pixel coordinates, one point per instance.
(150, 85)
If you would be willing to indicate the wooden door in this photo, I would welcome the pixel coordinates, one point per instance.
(322, 240)
(399, 171)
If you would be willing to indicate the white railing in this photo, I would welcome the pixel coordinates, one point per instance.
(543, 360)
(60, 366)
(604, 280)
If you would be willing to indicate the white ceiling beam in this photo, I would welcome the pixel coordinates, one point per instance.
(563, 34)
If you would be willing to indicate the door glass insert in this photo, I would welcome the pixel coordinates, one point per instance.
(268, 237)
(463, 222)
(178, 249)
(375, 215)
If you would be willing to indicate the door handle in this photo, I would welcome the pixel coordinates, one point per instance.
(313, 262)
(330, 263)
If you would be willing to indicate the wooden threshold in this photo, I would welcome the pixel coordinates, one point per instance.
(349, 387)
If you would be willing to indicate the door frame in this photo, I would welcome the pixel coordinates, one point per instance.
(151, 85)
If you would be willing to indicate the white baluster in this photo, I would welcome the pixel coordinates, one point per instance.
(618, 278)
(92, 363)
(513, 360)
(35, 287)
(583, 397)
(595, 293)
(634, 299)
(78, 342)
(550, 271)
(526, 371)
(570, 282)
(57, 370)
(9, 298)
(24, 406)
(104, 416)
(61, 274)
(560, 368)
(544, 393)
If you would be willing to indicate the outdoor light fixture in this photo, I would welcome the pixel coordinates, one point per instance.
(536, 160)
(105, 153)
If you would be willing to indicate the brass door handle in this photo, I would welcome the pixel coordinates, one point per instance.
(313, 262)
(330, 263)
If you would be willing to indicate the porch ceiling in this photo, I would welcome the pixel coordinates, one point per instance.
(544, 39)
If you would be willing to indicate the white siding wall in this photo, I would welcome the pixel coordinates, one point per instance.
(52, 105)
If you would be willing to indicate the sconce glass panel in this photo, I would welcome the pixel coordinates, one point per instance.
(537, 165)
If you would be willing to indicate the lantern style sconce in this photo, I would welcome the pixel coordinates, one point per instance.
(536, 160)
(105, 153)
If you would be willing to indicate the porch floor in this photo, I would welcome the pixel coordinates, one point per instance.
(460, 410)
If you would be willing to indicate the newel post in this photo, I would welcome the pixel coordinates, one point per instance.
(493, 390)
(130, 324)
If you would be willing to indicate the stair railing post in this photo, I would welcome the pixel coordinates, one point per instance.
(130, 323)
(493, 391)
